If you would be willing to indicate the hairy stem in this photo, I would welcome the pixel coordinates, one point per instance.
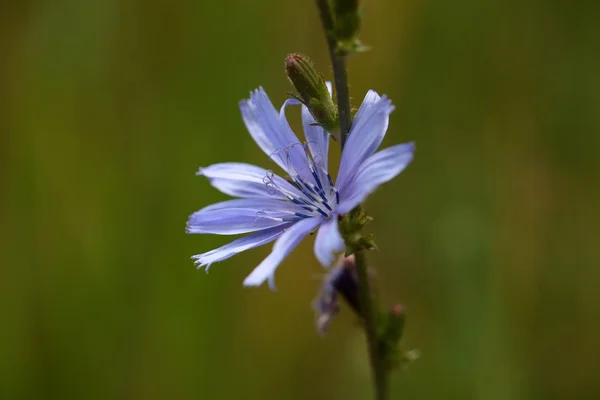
(366, 302)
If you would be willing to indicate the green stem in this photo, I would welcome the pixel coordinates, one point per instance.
(369, 320)
(339, 72)
(366, 302)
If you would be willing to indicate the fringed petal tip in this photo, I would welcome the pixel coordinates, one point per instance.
(256, 282)
(200, 263)
(387, 102)
(200, 171)
(188, 227)
(255, 93)
(383, 103)
(237, 246)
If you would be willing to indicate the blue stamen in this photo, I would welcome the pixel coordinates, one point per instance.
(297, 185)
(313, 198)
(323, 196)
(316, 176)
(292, 219)
(322, 213)
(301, 215)
(304, 191)
(329, 179)
(309, 187)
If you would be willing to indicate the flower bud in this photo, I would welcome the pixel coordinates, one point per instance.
(312, 91)
(342, 281)
(389, 340)
(395, 325)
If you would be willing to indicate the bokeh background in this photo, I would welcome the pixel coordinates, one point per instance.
(107, 109)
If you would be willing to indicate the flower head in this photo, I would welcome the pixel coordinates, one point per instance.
(273, 208)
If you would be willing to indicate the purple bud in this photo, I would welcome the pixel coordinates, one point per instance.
(341, 280)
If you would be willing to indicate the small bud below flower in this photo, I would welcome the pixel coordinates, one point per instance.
(312, 91)
(341, 280)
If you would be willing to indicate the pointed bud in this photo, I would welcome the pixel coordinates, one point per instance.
(312, 91)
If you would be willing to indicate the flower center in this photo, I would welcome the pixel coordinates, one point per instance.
(316, 198)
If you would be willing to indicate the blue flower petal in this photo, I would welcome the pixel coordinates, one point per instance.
(367, 132)
(246, 180)
(239, 245)
(320, 158)
(316, 137)
(257, 204)
(271, 131)
(379, 168)
(329, 242)
(242, 216)
(283, 246)
(317, 140)
(287, 102)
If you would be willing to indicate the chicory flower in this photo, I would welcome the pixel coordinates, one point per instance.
(272, 208)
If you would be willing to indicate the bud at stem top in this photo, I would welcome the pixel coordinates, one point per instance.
(347, 19)
(346, 24)
(345, 6)
(312, 91)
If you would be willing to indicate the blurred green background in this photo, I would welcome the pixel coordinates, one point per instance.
(107, 109)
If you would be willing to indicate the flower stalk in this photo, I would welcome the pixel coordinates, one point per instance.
(285, 210)
(368, 312)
